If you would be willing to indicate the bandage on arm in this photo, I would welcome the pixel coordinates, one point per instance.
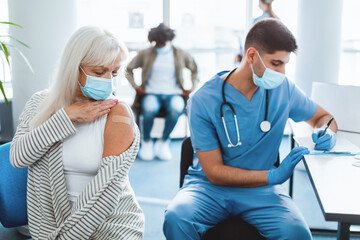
(119, 130)
(121, 119)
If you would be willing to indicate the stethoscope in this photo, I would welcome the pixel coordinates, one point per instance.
(265, 125)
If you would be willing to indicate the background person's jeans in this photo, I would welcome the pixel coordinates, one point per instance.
(151, 104)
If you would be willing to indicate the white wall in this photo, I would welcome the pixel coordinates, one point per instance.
(47, 27)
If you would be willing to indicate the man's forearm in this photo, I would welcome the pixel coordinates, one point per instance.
(220, 174)
(224, 175)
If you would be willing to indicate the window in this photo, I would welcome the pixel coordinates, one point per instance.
(350, 55)
(210, 30)
(129, 20)
(4, 30)
(213, 31)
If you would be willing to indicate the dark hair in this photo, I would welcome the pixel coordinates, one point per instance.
(270, 35)
(161, 34)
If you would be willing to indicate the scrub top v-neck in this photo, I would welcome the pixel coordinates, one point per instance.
(259, 150)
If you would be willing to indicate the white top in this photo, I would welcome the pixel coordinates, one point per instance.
(82, 154)
(162, 78)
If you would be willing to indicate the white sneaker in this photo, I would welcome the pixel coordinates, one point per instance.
(147, 150)
(163, 149)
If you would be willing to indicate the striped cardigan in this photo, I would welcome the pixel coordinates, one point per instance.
(106, 208)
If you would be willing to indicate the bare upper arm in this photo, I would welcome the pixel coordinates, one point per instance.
(119, 130)
(320, 112)
(209, 161)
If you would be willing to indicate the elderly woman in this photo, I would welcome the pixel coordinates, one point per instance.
(78, 143)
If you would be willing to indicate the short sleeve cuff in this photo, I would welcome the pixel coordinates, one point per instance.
(312, 108)
(207, 147)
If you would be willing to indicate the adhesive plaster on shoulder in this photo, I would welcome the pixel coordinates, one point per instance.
(121, 119)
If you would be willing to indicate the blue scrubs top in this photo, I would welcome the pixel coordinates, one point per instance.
(259, 150)
(265, 15)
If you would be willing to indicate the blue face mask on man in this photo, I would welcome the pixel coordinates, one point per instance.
(270, 79)
(97, 88)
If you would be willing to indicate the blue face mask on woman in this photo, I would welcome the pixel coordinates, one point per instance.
(97, 88)
(270, 79)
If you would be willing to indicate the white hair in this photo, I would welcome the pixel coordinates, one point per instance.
(88, 46)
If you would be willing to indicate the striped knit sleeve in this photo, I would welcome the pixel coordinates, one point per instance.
(29, 146)
(101, 196)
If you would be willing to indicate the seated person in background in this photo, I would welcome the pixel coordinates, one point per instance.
(266, 7)
(162, 86)
(237, 121)
(79, 144)
(238, 59)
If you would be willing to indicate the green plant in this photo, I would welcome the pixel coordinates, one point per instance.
(4, 54)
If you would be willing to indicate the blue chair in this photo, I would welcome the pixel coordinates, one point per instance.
(13, 210)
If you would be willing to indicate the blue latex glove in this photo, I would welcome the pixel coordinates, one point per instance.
(326, 142)
(286, 168)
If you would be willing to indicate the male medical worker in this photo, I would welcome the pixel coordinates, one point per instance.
(234, 173)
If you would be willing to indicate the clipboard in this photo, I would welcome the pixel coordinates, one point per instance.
(343, 147)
